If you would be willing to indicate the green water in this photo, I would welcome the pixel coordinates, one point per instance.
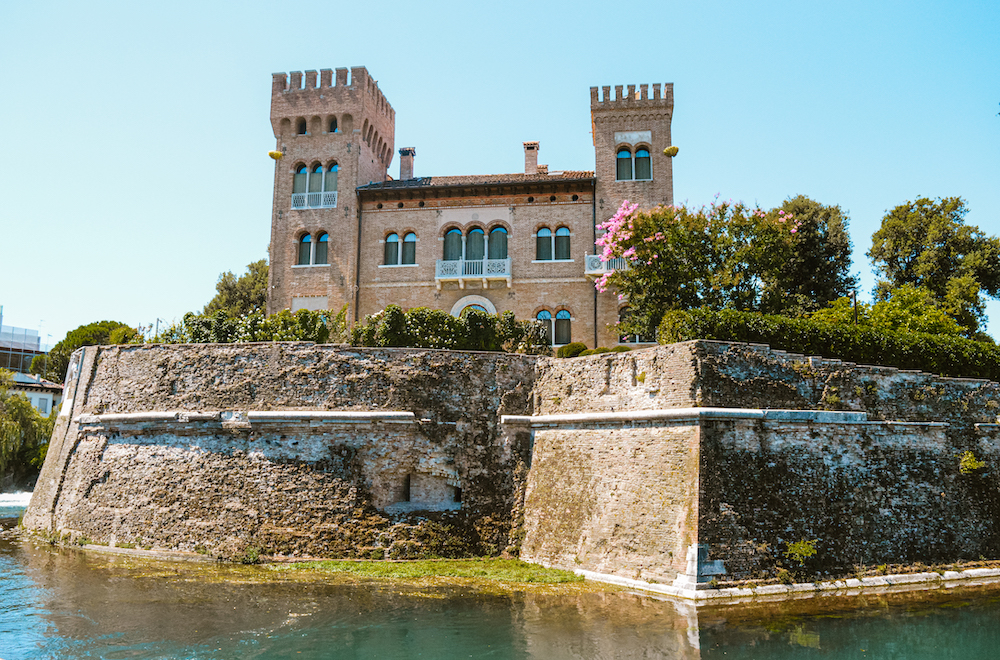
(65, 603)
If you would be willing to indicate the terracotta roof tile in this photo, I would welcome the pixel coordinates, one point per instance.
(480, 180)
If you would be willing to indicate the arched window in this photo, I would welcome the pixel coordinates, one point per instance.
(475, 245)
(543, 244)
(299, 183)
(563, 335)
(624, 167)
(409, 249)
(453, 245)
(562, 243)
(391, 250)
(315, 188)
(468, 308)
(322, 249)
(316, 179)
(498, 243)
(545, 318)
(305, 250)
(330, 179)
(300, 127)
(643, 169)
(333, 124)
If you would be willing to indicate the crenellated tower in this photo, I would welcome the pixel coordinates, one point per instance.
(631, 130)
(335, 131)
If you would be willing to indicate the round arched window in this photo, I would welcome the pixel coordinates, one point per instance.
(624, 167)
(391, 250)
(305, 250)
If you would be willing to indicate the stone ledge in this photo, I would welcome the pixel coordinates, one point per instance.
(696, 414)
(847, 587)
(247, 418)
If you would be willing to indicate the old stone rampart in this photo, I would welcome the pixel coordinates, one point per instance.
(682, 464)
(291, 449)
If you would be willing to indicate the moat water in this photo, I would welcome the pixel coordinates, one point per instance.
(66, 603)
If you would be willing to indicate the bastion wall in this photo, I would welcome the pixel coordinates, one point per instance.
(288, 448)
(678, 464)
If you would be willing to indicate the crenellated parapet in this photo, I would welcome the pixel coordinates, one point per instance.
(626, 97)
(302, 87)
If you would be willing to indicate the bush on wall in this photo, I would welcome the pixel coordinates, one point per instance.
(475, 330)
(940, 354)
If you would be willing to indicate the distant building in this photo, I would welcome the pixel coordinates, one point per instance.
(18, 347)
(43, 394)
(522, 242)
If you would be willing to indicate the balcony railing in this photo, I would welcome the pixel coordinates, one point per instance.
(461, 270)
(594, 267)
(318, 200)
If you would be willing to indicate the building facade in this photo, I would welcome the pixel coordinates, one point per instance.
(343, 232)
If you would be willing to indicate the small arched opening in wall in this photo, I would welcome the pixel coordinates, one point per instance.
(473, 301)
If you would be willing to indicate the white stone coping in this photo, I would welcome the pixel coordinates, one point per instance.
(694, 414)
(988, 429)
(250, 417)
(848, 587)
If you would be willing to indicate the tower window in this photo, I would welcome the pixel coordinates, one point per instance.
(643, 171)
(305, 250)
(333, 124)
(624, 168)
(636, 167)
(315, 188)
(322, 249)
(300, 127)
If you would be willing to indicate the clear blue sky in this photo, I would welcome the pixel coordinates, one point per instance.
(136, 166)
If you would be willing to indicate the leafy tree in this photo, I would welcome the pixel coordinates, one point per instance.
(726, 255)
(54, 365)
(243, 295)
(24, 433)
(814, 269)
(926, 243)
(905, 309)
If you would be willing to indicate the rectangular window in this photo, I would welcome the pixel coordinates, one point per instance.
(321, 252)
(43, 406)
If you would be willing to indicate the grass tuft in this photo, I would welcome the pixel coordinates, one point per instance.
(501, 570)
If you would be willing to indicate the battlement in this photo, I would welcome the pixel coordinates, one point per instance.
(311, 82)
(601, 99)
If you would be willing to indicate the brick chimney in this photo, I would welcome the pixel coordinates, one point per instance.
(531, 158)
(406, 155)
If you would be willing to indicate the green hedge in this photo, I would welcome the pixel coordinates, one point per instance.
(475, 330)
(940, 354)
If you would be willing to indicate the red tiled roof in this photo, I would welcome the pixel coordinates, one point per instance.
(480, 180)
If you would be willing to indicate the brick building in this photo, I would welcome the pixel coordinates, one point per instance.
(522, 242)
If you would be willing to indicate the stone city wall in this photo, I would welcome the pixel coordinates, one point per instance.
(653, 465)
(288, 448)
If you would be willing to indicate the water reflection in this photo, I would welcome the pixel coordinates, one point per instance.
(63, 603)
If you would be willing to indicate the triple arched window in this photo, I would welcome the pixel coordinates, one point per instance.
(313, 252)
(637, 166)
(475, 245)
(315, 187)
(400, 253)
(549, 246)
(557, 333)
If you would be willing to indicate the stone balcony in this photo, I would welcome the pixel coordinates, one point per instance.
(462, 270)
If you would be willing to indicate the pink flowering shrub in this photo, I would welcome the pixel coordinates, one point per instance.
(724, 255)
